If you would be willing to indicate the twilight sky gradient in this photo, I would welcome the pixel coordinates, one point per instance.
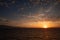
(30, 13)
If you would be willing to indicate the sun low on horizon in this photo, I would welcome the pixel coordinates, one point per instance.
(45, 26)
(42, 24)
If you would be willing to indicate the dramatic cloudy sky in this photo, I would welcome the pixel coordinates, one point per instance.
(31, 13)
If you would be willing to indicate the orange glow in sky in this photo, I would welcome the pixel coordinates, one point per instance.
(45, 26)
(38, 24)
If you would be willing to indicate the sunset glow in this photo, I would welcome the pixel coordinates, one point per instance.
(45, 26)
(40, 24)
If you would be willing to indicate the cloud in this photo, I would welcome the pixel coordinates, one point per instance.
(58, 0)
(35, 1)
(7, 3)
(3, 19)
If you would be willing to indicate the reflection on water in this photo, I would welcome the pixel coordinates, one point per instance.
(43, 34)
(30, 34)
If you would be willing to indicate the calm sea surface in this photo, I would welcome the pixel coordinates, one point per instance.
(29, 34)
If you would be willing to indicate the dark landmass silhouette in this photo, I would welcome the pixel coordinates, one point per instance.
(15, 33)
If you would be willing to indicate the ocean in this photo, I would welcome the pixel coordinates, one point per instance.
(13, 33)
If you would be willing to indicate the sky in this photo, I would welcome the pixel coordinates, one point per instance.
(30, 13)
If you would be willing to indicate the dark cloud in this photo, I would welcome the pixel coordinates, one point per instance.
(16, 12)
(3, 19)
